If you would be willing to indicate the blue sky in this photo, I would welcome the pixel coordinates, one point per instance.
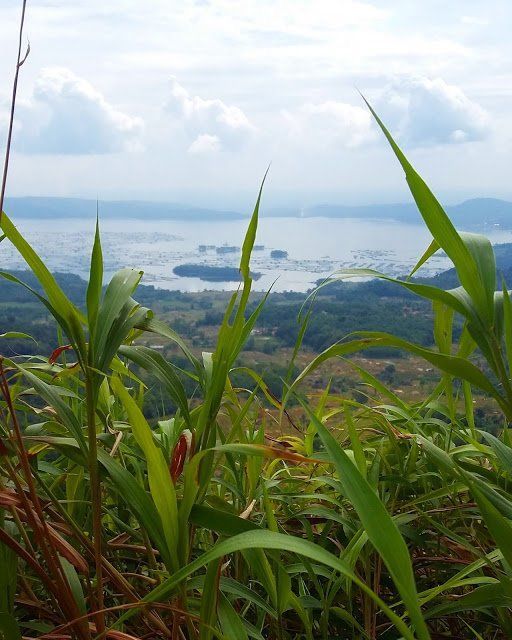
(190, 100)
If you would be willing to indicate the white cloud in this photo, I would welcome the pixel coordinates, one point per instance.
(212, 124)
(67, 115)
(205, 143)
(420, 112)
(330, 123)
(424, 112)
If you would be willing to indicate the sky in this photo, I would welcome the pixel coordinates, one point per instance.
(191, 100)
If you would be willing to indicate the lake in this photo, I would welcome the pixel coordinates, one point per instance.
(316, 248)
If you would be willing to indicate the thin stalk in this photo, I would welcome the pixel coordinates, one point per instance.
(17, 521)
(19, 62)
(120, 607)
(94, 477)
(376, 587)
(152, 563)
(120, 581)
(35, 514)
(468, 405)
(22, 553)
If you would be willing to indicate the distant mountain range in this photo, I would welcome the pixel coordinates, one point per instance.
(469, 214)
(39, 207)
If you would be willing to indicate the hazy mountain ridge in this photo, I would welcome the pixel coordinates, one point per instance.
(47, 207)
(474, 212)
(470, 213)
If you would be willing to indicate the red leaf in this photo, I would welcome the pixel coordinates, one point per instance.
(8, 498)
(56, 353)
(67, 551)
(179, 455)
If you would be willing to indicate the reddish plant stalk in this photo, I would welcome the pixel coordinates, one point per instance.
(35, 514)
(19, 62)
(109, 570)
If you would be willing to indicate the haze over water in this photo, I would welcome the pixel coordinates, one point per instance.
(316, 248)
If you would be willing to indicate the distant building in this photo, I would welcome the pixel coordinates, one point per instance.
(226, 249)
(278, 254)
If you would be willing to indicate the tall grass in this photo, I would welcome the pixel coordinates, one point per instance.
(381, 520)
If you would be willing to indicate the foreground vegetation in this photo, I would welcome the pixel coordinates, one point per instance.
(378, 519)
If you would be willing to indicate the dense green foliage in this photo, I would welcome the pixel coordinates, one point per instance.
(380, 519)
(339, 309)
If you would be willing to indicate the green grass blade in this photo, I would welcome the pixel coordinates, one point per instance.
(9, 629)
(51, 395)
(432, 248)
(153, 325)
(484, 598)
(499, 527)
(231, 623)
(454, 365)
(156, 364)
(95, 281)
(381, 529)
(458, 299)
(69, 314)
(117, 298)
(160, 483)
(507, 327)
(250, 235)
(462, 252)
(270, 540)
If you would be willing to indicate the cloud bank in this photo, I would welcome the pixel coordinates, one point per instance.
(421, 112)
(67, 115)
(330, 123)
(211, 124)
(425, 112)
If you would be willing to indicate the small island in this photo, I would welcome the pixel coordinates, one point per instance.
(210, 274)
(278, 254)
